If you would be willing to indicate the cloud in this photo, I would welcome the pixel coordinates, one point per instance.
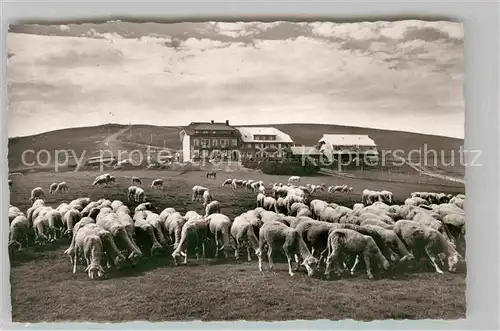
(374, 74)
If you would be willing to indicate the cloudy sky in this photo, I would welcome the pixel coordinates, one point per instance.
(405, 75)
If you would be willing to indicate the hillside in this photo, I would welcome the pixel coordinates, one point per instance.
(117, 137)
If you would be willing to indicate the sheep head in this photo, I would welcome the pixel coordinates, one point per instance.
(15, 245)
(311, 264)
(94, 271)
(41, 239)
(454, 262)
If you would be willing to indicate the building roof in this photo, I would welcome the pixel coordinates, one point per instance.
(208, 126)
(348, 140)
(305, 150)
(247, 133)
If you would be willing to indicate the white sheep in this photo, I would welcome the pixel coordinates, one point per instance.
(294, 179)
(173, 224)
(37, 193)
(69, 219)
(418, 236)
(276, 234)
(269, 203)
(346, 241)
(18, 234)
(219, 226)
(260, 200)
(243, 233)
(135, 180)
(62, 187)
(227, 182)
(101, 179)
(197, 225)
(207, 197)
(198, 192)
(212, 208)
(157, 184)
(236, 183)
(90, 245)
(52, 188)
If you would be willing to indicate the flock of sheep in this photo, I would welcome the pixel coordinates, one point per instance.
(312, 233)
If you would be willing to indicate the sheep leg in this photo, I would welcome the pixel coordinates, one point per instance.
(297, 260)
(355, 264)
(289, 259)
(269, 257)
(249, 254)
(367, 263)
(185, 258)
(216, 237)
(432, 257)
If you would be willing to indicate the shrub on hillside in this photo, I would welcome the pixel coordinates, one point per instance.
(285, 168)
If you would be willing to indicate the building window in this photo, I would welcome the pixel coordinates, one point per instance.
(196, 153)
(235, 142)
(196, 142)
(249, 145)
(279, 145)
(204, 153)
(273, 146)
(214, 142)
(249, 154)
(224, 142)
(205, 142)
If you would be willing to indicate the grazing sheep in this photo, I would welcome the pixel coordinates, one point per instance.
(212, 208)
(62, 187)
(40, 228)
(219, 226)
(116, 225)
(236, 183)
(166, 212)
(315, 235)
(13, 213)
(294, 179)
(135, 180)
(18, 233)
(421, 239)
(37, 193)
(144, 206)
(270, 204)
(243, 233)
(69, 219)
(260, 200)
(274, 234)
(154, 220)
(330, 215)
(392, 241)
(207, 198)
(196, 228)
(157, 184)
(90, 244)
(342, 242)
(52, 188)
(227, 182)
(198, 192)
(145, 234)
(211, 174)
(173, 224)
(316, 207)
(116, 204)
(131, 193)
(140, 196)
(101, 179)
(296, 207)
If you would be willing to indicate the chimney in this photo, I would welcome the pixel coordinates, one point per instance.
(227, 122)
(212, 121)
